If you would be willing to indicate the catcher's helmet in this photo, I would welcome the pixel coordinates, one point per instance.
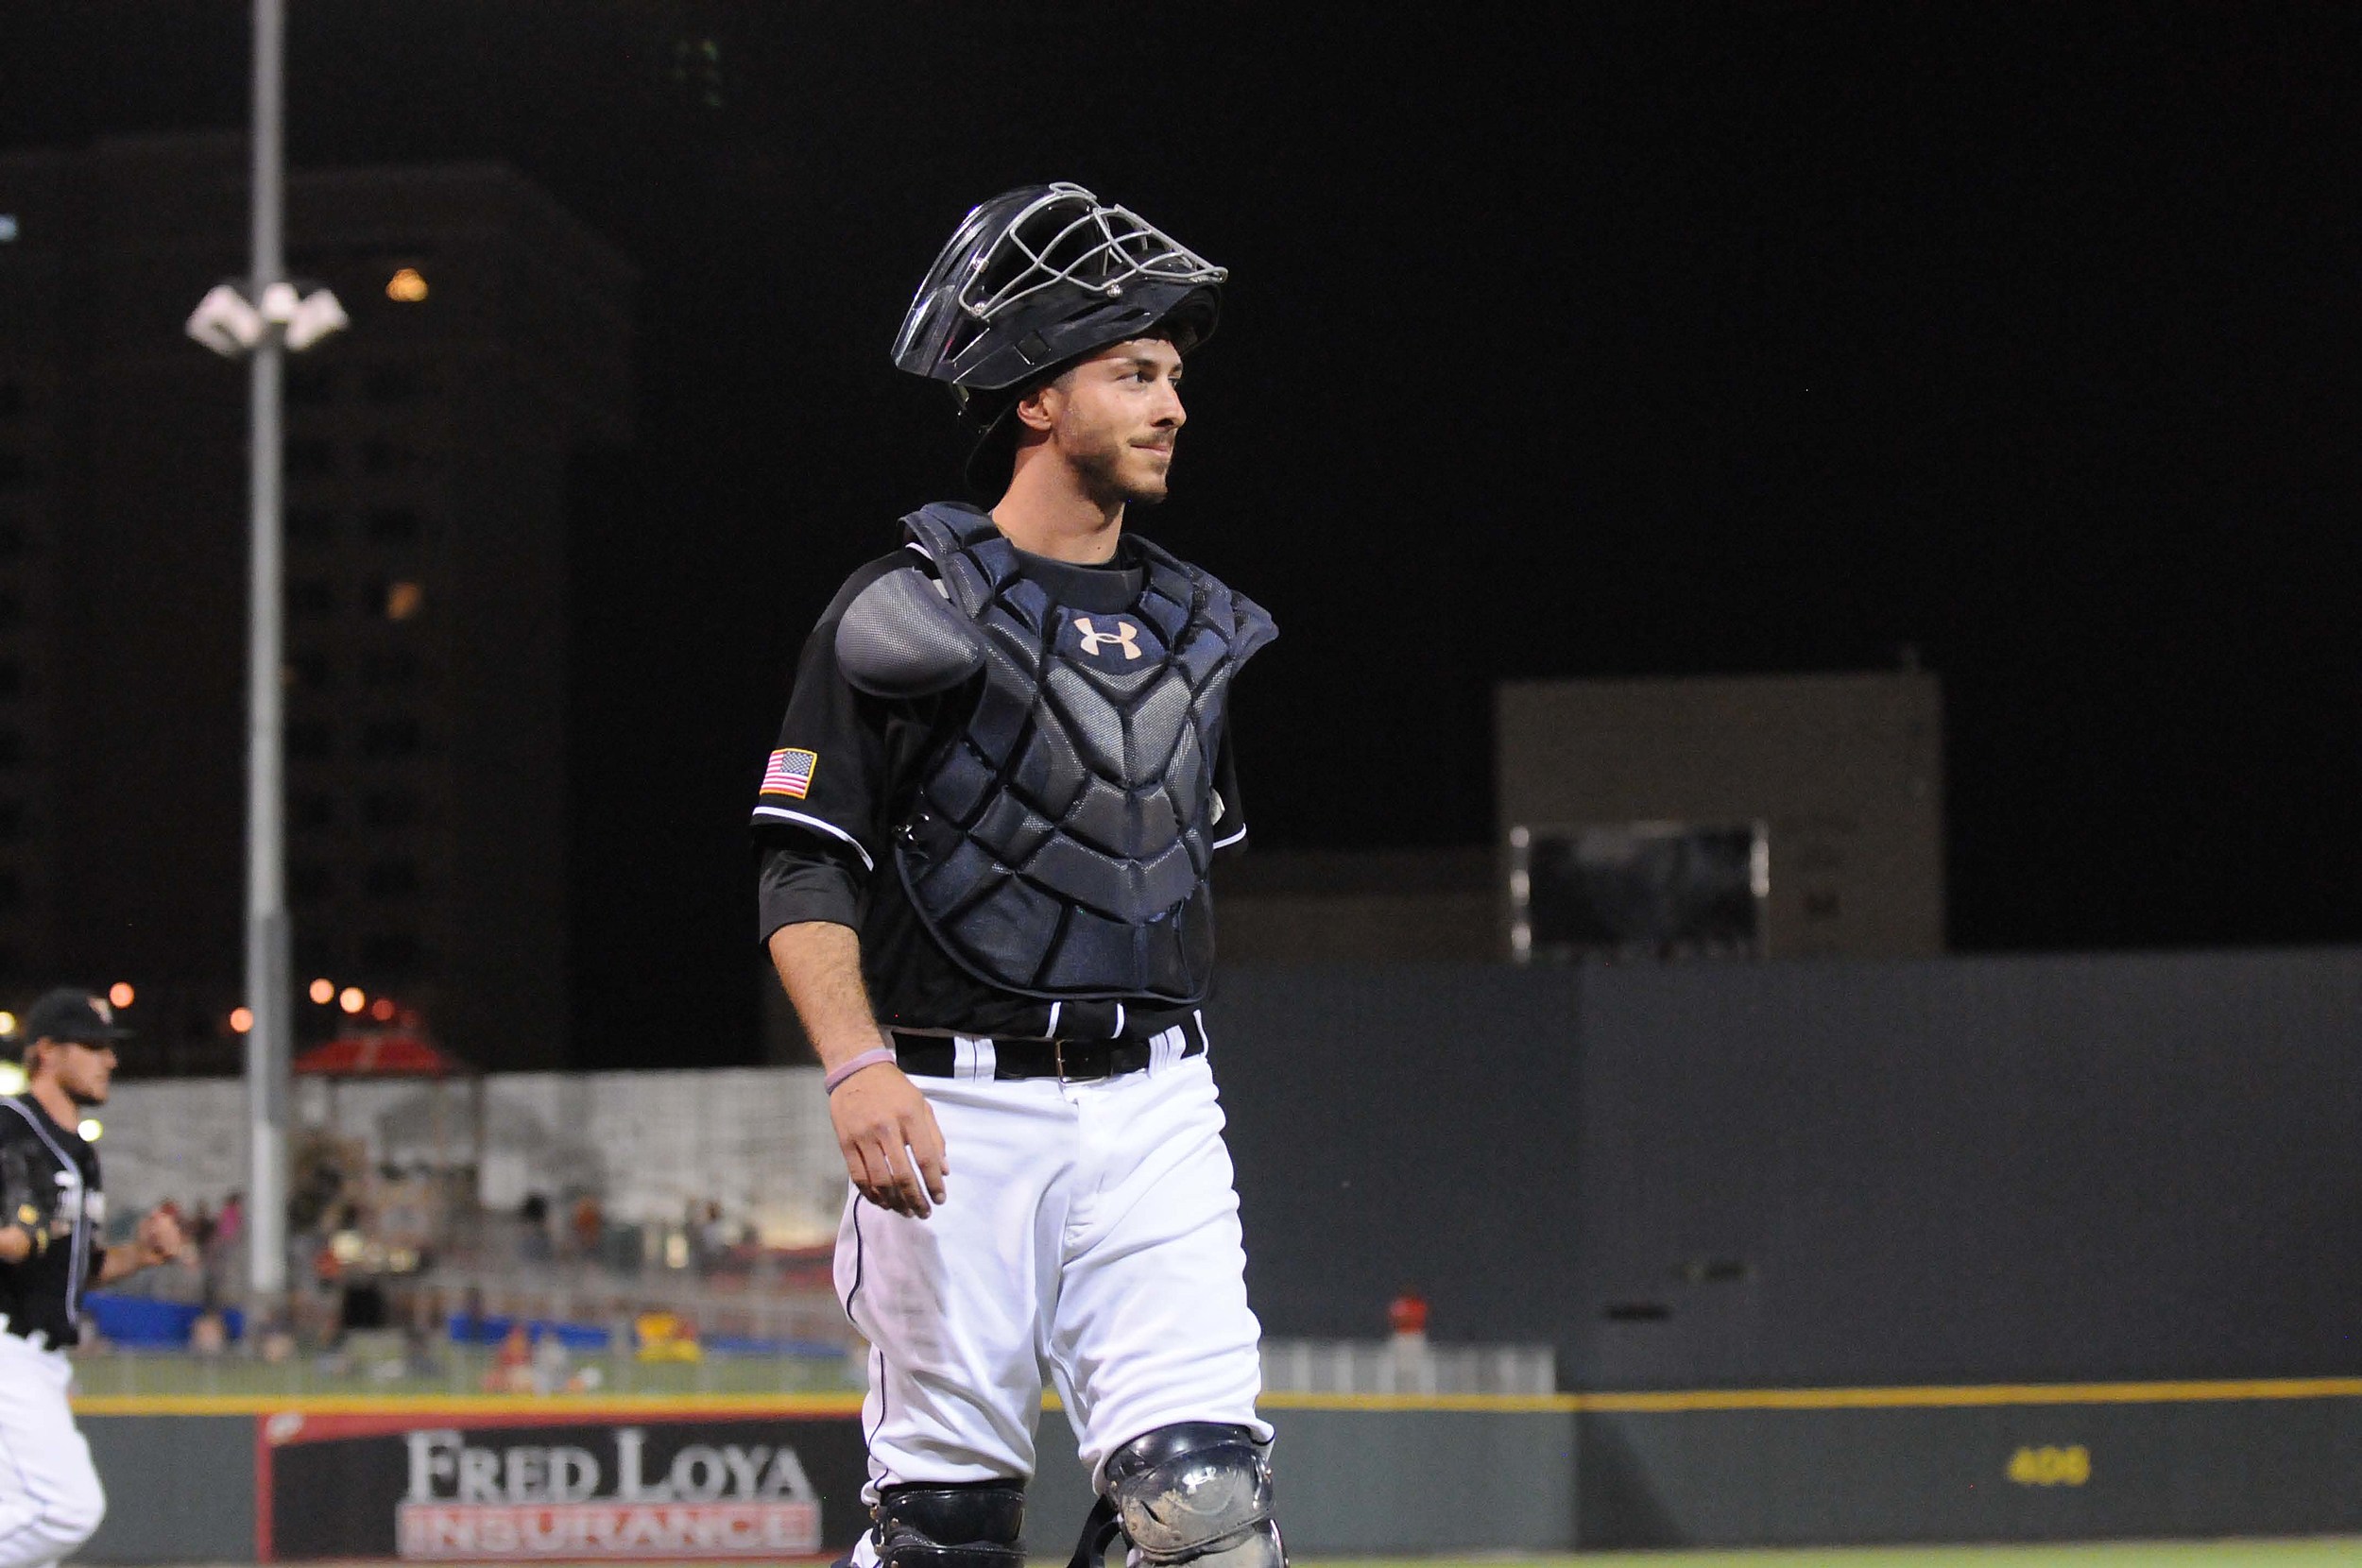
(1040, 275)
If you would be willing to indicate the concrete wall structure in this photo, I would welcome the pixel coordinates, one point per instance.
(1392, 906)
(1847, 770)
(1831, 1467)
(1810, 1173)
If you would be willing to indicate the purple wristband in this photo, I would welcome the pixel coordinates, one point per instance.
(844, 1070)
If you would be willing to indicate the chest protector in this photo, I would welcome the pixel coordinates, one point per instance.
(1058, 846)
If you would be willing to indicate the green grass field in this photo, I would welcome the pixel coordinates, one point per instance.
(459, 1370)
(2134, 1554)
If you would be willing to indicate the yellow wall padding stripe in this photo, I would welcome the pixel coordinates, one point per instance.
(1671, 1402)
(625, 1408)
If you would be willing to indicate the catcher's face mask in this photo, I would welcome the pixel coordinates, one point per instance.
(1041, 274)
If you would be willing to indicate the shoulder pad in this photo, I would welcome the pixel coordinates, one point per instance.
(900, 638)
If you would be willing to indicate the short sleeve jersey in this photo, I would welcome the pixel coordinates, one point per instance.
(44, 1291)
(843, 775)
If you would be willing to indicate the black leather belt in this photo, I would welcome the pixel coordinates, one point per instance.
(942, 1056)
(38, 1338)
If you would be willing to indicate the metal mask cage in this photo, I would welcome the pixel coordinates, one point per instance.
(1098, 249)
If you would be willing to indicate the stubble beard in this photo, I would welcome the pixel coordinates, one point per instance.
(1100, 470)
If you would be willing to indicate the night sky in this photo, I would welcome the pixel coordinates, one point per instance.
(1607, 341)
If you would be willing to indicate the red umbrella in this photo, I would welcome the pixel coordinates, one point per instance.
(378, 1056)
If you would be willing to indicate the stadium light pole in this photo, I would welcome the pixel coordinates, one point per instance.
(261, 322)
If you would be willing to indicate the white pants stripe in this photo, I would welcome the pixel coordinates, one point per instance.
(1091, 1236)
(50, 1499)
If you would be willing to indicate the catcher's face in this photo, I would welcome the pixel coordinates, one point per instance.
(1114, 419)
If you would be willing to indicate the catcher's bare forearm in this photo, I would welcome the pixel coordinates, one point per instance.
(884, 1127)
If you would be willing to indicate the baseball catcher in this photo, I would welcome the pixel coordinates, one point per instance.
(987, 828)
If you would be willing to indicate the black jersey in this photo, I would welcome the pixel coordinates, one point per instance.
(51, 1184)
(841, 775)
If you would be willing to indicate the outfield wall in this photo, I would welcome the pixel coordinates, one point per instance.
(1809, 1173)
(720, 1477)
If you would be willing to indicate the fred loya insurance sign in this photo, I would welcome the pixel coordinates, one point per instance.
(440, 1487)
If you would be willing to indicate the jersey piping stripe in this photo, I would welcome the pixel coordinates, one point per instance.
(829, 827)
(1224, 843)
(1117, 1032)
(1197, 1015)
(79, 1260)
(1052, 1032)
(877, 1361)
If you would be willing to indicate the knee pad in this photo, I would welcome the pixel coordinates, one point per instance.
(1196, 1492)
(959, 1524)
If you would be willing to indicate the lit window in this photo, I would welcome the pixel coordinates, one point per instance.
(404, 599)
(8, 228)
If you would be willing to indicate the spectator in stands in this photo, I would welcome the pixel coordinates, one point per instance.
(511, 1372)
(533, 1241)
(589, 1225)
(213, 1253)
(715, 1236)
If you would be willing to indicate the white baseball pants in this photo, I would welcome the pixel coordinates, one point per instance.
(50, 1499)
(1092, 1235)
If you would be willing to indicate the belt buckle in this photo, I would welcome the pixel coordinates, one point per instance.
(1057, 1050)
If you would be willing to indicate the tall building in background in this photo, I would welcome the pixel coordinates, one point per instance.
(428, 456)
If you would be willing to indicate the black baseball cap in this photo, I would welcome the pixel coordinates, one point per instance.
(69, 1014)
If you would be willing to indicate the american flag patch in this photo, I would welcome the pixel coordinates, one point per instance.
(789, 773)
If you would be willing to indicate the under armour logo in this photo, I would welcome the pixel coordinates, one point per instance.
(1121, 636)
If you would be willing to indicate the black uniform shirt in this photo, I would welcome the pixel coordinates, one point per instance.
(44, 1292)
(842, 775)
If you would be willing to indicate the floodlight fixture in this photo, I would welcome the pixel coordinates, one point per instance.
(233, 326)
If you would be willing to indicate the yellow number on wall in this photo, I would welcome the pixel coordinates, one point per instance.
(2051, 1467)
